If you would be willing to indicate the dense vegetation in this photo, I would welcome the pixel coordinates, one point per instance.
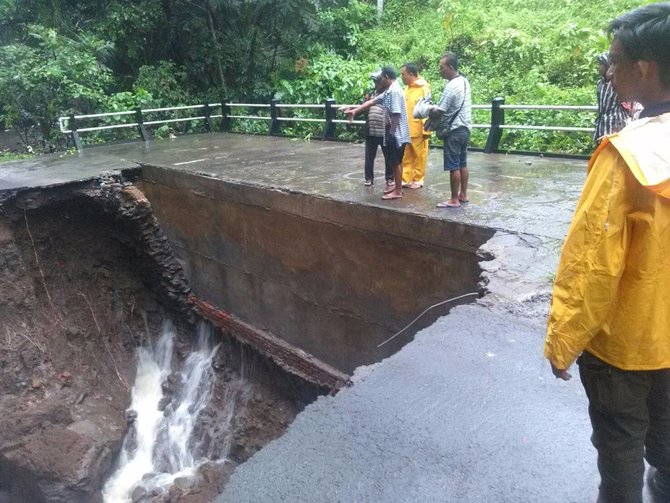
(83, 56)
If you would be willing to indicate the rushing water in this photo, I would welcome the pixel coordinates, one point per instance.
(159, 446)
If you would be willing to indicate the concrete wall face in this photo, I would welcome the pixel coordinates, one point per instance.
(332, 278)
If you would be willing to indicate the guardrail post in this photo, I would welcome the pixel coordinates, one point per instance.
(225, 113)
(208, 117)
(72, 123)
(274, 123)
(497, 120)
(329, 128)
(140, 124)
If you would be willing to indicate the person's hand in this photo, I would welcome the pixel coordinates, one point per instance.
(350, 112)
(560, 373)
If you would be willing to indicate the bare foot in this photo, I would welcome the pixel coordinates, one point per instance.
(392, 195)
(449, 204)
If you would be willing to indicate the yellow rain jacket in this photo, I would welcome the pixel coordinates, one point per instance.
(418, 89)
(612, 289)
(416, 152)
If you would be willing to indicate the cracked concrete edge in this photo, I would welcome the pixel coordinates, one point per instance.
(518, 273)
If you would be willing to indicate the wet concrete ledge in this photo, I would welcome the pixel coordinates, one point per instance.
(329, 277)
(513, 193)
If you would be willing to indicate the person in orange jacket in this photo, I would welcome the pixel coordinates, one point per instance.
(610, 308)
(416, 152)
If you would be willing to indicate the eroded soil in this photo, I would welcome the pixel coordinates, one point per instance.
(75, 302)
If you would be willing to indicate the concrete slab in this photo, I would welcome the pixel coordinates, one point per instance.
(531, 195)
(58, 169)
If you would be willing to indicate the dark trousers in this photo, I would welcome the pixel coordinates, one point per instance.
(371, 145)
(630, 416)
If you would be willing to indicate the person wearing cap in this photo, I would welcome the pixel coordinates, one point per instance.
(375, 128)
(610, 308)
(397, 127)
(612, 115)
(416, 152)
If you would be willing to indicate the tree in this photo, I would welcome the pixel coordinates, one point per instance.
(46, 75)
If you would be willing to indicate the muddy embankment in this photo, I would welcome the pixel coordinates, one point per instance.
(86, 275)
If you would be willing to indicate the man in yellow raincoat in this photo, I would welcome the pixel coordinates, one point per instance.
(611, 303)
(416, 152)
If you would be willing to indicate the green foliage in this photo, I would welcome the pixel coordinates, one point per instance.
(47, 75)
(528, 51)
(165, 82)
(82, 56)
(6, 155)
(326, 76)
(127, 100)
(342, 28)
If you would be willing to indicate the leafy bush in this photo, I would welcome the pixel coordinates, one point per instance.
(165, 82)
(57, 56)
(47, 75)
(528, 51)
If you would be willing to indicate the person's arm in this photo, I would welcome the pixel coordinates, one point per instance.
(395, 121)
(352, 111)
(591, 264)
(426, 94)
(397, 102)
(443, 105)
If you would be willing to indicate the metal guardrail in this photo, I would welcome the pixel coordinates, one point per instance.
(70, 124)
(558, 108)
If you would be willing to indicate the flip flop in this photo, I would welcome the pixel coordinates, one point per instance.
(391, 195)
(464, 200)
(447, 204)
(389, 190)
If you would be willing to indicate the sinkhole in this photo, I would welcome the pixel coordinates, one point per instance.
(159, 330)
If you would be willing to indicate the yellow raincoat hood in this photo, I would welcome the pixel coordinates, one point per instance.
(645, 146)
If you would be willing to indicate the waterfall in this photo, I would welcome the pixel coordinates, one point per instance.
(159, 447)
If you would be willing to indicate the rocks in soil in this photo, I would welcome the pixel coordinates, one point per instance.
(70, 321)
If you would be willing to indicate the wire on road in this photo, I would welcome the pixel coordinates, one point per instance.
(472, 294)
